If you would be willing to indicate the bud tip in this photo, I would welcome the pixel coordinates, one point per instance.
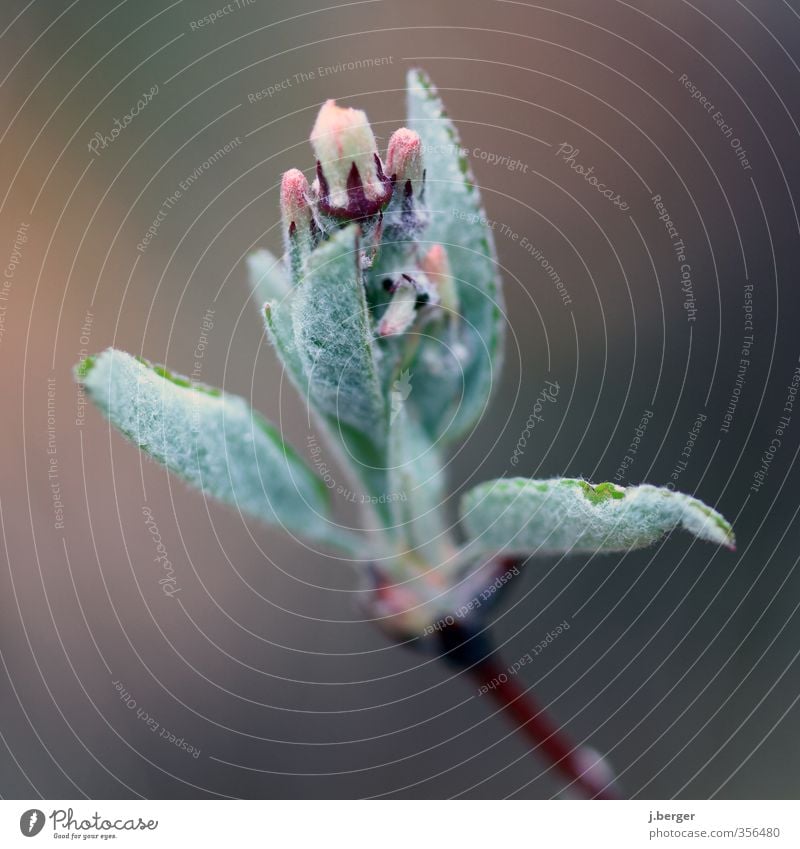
(404, 155)
(294, 197)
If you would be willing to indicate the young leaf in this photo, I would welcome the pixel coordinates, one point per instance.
(566, 514)
(416, 483)
(453, 399)
(267, 276)
(212, 440)
(363, 438)
(334, 339)
(280, 330)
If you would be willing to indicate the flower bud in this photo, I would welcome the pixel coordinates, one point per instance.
(400, 312)
(404, 162)
(350, 179)
(297, 216)
(406, 216)
(409, 294)
(436, 266)
(295, 208)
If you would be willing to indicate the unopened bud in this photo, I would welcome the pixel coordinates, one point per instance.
(406, 216)
(400, 312)
(436, 266)
(404, 162)
(350, 179)
(297, 216)
(295, 207)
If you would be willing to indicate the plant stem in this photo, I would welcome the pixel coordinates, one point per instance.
(467, 646)
(578, 766)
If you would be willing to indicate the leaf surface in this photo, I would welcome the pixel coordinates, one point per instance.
(212, 440)
(567, 514)
(453, 396)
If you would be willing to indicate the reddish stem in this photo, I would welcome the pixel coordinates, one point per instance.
(582, 767)
(466, 644)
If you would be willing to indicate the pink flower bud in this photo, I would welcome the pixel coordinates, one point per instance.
(298, 219)
(350, 179)
(435, 263)
(295, 207)
(404, 161)
(436, 267)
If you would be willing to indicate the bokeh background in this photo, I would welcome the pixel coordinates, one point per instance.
(681, 661)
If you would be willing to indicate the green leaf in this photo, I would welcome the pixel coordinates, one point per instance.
(334, 339)
(280, 330)
(567, 514)
(453, 396)
(212, 440)
(364, 446)
(416, 481)
(267, 276)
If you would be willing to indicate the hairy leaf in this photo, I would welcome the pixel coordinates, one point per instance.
(416, 483)
(212, 440)
(295, 320)
(334, 339)
(267, 276)
(453, 396)
(567, 514)
(280, 330)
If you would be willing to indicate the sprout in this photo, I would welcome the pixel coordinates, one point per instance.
(367, 265)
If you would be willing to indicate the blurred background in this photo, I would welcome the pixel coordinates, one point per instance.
(680, 664)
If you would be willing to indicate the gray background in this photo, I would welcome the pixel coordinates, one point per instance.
(680, 664)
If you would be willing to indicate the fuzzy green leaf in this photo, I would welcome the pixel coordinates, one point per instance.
(334, 340)
(267, 276)
(362, 439)
(567, 514)
(212, 440)
(451, 397)
(280, 330)
(416, 481)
